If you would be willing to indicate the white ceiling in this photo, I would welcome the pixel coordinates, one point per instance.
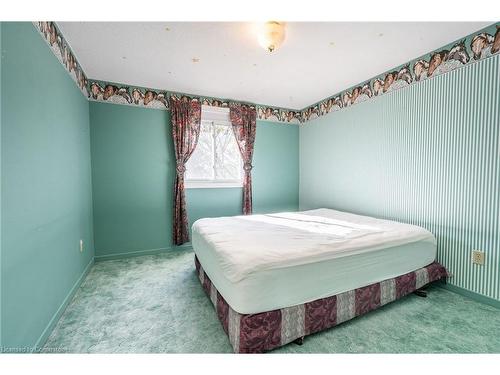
(224, 60)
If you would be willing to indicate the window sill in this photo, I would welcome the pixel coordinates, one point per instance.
(211, 185)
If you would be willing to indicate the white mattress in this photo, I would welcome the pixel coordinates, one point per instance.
(265, 262)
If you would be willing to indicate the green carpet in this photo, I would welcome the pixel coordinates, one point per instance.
(155, 304)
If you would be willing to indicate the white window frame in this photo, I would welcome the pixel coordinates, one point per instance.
(219, 115)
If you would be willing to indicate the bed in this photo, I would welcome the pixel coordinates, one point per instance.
(276, 278)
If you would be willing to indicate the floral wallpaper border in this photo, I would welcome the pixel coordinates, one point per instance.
(470, 49)
(61, 49)
(158, 99)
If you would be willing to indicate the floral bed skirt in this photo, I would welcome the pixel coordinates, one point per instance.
(257, 333)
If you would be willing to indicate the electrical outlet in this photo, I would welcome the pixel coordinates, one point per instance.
(478, 257)
(81, 246)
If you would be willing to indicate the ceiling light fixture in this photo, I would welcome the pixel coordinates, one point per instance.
(271, 35)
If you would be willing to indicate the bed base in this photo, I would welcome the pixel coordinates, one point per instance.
(257, 333)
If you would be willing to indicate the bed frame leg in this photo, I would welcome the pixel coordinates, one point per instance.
(299, 341)
(421, 293)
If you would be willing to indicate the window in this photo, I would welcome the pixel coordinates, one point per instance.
(216, 160)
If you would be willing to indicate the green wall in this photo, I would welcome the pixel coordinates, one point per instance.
(133, 172)
(45, 186)
(132, 164)
(428, 155)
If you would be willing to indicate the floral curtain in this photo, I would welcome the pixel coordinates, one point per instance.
(186, 118)
(243, 118)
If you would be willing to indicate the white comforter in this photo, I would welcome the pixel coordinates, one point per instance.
(246, 244)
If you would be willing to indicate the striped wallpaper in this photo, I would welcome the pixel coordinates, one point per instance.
(428, 155)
